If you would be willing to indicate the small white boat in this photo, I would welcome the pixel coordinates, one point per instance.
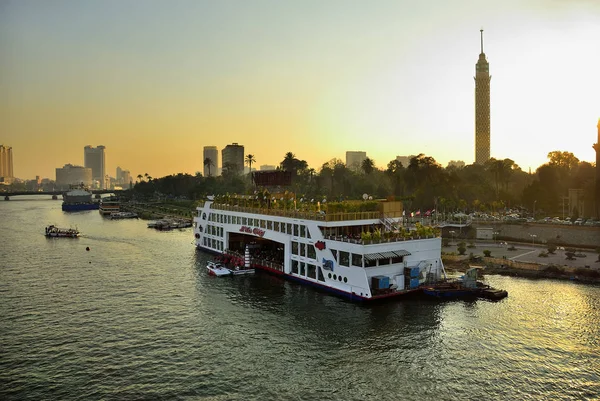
(217, 269)
(238, 271)
(53, 231)
(123, 215)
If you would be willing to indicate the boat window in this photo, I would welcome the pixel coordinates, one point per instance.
(288, 228)
(340, 278)
(302, 249)
(320, 274)
(345, 279)
(311, 251)
(370, 262)
(312, 271)
(295, 266)
(307, 233)
(302, 269)
(269, 225)
(357, 260)
(294, 248)
(295, 230)
(334, 252)
(385, 261)
(335, 276)
(244, 221)
(397, 259)
(303, 231)
(263, 224)
(344, 258)
(276, 226)
(329, 275)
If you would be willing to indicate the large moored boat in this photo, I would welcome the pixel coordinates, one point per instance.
(361, 255)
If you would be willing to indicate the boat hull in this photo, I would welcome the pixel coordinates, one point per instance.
(77, 207)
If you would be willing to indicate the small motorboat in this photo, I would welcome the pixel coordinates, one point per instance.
(53, 231)
(217, 269)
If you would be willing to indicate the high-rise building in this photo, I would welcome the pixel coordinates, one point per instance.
(123, 177)
(233, 158)
(482, 107)
(354, 159)
(597, 200)
(404, 160)
(73, 175)
(94, 158)
(6, 165)
(212, 153)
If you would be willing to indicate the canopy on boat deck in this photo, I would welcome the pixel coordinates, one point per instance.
(386, 255)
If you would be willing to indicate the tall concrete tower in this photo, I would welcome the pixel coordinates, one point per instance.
(482, 107)
(597, 200)
(94, 158)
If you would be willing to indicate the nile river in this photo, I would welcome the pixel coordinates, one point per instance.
(137, 318)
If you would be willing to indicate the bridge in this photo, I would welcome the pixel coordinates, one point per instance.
(7, 195)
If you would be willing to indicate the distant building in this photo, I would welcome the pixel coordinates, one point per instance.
(73, 175)
(597, 189)
(94, 158)
(456, 163)
(212, 153)
(123, 177)
(405, 160)
(233, 158)
(6, 165)
(482, 108)
(266, 167)
(354, 159)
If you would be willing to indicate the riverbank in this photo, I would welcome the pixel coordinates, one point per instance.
(508, 267)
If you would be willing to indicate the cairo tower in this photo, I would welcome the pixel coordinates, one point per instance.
(482, 108)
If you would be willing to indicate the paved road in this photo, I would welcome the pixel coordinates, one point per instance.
(530, 253)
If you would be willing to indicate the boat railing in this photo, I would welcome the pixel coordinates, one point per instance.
(343, 238)
(267, 263)
(300, 214)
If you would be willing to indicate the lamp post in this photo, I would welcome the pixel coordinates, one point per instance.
(533, 239)
(534, 202)
(495, 235)
(452, 234)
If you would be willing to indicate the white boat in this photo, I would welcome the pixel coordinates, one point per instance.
(360, 255)
(123, 215)
(217, 269)
(53, 231)
(109, 205)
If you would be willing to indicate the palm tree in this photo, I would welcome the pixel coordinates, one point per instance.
(367, 165)
(249, 160)
(139, 176)
(288, 162)
(207, 163)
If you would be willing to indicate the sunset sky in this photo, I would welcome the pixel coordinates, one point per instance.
(156, 81)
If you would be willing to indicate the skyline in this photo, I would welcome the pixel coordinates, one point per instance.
(156, 82)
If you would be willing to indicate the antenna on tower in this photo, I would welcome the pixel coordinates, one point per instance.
(481, 31)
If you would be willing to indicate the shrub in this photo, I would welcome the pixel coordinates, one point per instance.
(543, 254)
(570, 255)
(471, 245)
(461, 249)
(487, 253)
(551, 248)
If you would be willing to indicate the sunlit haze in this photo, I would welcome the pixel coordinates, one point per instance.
(156, 81)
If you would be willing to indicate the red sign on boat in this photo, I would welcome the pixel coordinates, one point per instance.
(256, 231)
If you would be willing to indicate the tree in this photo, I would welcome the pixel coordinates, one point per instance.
(368, 165)
(208, 163)
(249, 160)
(139, 176)
(563, 159)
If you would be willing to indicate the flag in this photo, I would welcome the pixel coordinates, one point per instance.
(427, 213)
(412, 214)
(419, 212)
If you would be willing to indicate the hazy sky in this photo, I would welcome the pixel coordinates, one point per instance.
(155, 81)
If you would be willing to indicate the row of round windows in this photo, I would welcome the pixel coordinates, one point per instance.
(336, 277)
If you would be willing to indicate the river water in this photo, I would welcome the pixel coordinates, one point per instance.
(137, 318)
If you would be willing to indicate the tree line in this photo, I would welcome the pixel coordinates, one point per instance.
(422, 185)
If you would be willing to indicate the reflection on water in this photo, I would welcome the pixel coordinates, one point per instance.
(137, 317)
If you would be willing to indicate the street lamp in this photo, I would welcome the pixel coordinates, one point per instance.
(532, 239)
(452, 234)
(495, 234)
(534, 202)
